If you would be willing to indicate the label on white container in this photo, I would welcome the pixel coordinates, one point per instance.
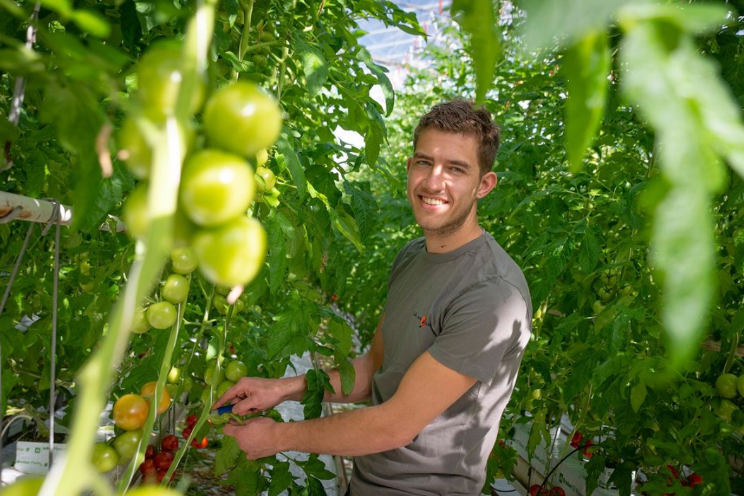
(33, 458)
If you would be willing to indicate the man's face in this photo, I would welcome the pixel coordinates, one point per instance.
(444, 182)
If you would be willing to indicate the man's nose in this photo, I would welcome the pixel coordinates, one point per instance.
(435, 178)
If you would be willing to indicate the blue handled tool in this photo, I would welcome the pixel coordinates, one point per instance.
(224, 409)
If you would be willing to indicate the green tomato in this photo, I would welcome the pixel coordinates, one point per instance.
(209, 373)
(223, 387)
(159, 77)
(242, 119)
(105, 457)
(161, 315)
(236, 370)
(231, 254)
(126, 444)
(265, 179)
(134, 149)
(183, 260)
(206, 397)
(175, 289)
(134, 213)
(26, 486)
(262, 156)
(726, 385)
(172, 390)
(174, 375)
(726, 409)
(216, 187)
(140, 325)
(740, 384)
(220, 303)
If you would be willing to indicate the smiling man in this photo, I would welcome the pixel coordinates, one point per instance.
(445, 356)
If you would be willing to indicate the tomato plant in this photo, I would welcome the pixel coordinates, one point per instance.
(265, 179)
(175, 290)
(183, 261)
(148, 393)
(235, 370)
(126, 444)
(169, 443)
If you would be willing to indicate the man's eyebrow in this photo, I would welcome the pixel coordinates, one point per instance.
(459, 163)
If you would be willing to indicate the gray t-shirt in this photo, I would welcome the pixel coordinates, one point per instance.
(471, 309)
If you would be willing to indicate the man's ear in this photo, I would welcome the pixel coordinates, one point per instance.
(487, 183)
(408, 164)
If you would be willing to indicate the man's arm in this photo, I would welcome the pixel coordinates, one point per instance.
(427, 389)
(255, 394)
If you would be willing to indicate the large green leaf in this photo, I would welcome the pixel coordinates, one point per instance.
(314, 65)
(586, 65)
(567, 21)
(477, 17)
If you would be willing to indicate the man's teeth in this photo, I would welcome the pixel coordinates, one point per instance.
(432, 201)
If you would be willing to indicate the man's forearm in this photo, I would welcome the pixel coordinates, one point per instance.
(353, 433)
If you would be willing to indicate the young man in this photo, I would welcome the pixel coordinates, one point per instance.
(445, 356)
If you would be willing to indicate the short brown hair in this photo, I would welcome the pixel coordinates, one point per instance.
(463, 117)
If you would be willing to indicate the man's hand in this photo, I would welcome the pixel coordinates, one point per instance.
(255, 394)
(256, 437)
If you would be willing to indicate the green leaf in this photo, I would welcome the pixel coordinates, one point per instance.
(277, 254)
(315, 487)
(379, 71)
(246, 477)
(567, 20)
(281, 478)
(317, 382)
(695, 19)
(347, 226)
(637, 396)
(346, 371)
(294, 166)
(62, 7)
(586, 64)
(92, 22)
(364, 206)
(590, 251)
(314, 65)
(315, 467)
(372, 140)
(342, 332)
(227, 456)
(477, 17)
(288, 333)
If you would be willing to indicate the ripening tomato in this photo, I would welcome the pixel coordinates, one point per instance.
(231, 254)
(726, 385)
(242, 119)
(150, 452)
(105, 457)
(130, 412)
(163, 460)
(175, 289)
(148, 469)
(265, 180)
(200, 444)
(187, 432)
(134, 214)
(183, 261)
(159, 77)
(216, 187)
(148, 393)
(161, 315)
(191, 420)
(236, 370)
(126, 444)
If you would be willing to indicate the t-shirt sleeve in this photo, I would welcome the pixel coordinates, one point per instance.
(486, 324)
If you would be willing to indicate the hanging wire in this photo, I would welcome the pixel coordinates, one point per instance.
(6, 294)
(56, 219)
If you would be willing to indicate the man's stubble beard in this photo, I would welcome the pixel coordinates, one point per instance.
(452, 227)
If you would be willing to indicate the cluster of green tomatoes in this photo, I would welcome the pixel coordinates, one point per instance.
(238, 123)
(729, 386)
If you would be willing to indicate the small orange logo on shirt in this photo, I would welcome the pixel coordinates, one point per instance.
(423, 321)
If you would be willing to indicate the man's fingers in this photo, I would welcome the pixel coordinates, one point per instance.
(230, 429)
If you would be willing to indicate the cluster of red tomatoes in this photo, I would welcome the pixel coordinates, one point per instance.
(218, 184)
(538, 490)
(578, 441)
(157, 462)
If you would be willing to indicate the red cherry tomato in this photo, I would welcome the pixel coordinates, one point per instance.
(150, 452)
(169, 443)
(191, 420)
(187, 432)
(163, 460)
(200, 444)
